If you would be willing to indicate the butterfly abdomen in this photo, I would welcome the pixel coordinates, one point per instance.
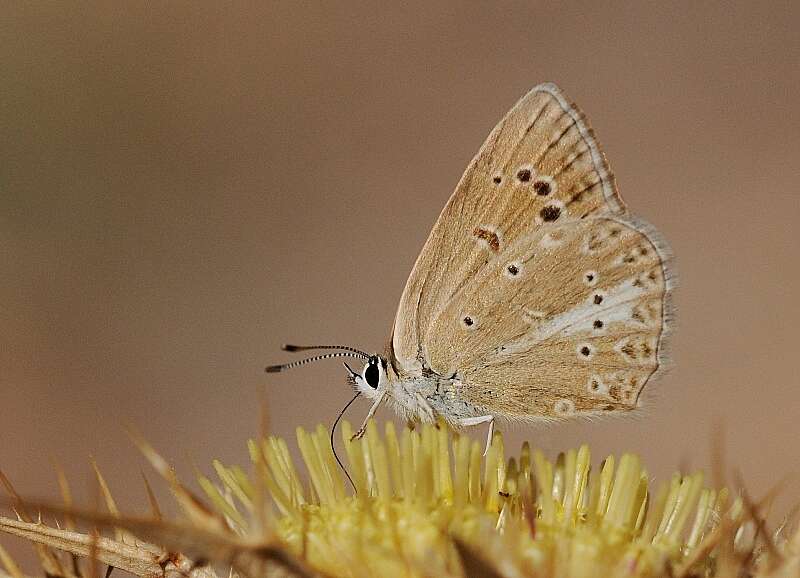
(426, 395)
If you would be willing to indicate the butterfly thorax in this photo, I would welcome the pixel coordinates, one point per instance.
(420, 394)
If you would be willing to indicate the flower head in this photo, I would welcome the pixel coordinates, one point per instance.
(426, 503)
(425, 499)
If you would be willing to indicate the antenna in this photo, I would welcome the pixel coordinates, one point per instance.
(293, 348)
(292, 365)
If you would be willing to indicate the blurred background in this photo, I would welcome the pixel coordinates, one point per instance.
(184, 187)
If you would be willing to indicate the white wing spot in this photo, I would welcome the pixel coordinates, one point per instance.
(595, 386)
(564, 407)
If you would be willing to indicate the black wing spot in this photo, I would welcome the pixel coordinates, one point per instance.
(550, 213)
(542, 188)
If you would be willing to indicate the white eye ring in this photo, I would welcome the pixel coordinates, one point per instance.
(373, 373)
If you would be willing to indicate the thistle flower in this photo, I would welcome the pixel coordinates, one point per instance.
(427, 503)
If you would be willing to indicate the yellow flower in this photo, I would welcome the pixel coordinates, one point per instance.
(427, 500)
(426, 503)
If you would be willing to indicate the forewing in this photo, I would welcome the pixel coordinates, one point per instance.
(539, 165)
(566, 321)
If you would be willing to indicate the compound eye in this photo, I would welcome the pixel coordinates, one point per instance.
(372, 375)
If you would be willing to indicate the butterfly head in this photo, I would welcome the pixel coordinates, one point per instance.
(372, 379)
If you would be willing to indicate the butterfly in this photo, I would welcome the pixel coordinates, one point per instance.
(537, 295)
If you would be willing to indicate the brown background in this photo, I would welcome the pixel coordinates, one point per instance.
(184, 187)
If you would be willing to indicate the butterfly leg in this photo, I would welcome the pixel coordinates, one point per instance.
(360, 433)
(424, 409)
(469, 421)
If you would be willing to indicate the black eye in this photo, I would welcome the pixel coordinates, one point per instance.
(372, 375)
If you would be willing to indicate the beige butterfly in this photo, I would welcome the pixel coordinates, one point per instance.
(537, 296)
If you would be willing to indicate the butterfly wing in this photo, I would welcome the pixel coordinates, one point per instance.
(566, 321)
(540, 165)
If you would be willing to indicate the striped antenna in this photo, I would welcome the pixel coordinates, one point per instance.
(285, 366)
(293, 348)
